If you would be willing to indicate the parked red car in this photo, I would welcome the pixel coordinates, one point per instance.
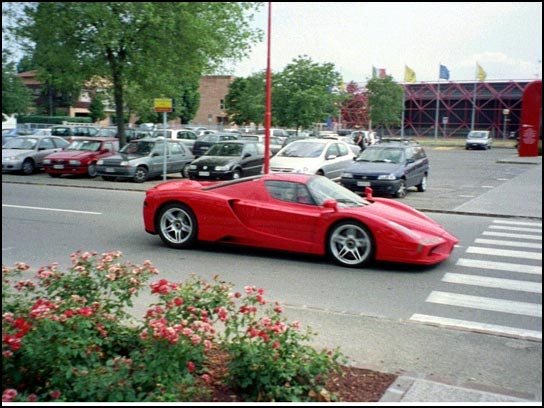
(80, 156)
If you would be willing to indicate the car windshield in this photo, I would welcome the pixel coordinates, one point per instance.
(323, 188)
(86, 145)
(302, 149)
(381, 155)
(21, 144)
(138, 148)
(477, 135)
(225, 149)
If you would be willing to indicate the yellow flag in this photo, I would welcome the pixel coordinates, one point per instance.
(481, 75)
(409, 74)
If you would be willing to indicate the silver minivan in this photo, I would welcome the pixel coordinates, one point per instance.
(478, 139)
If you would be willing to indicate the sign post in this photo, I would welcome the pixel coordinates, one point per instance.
(163, 105)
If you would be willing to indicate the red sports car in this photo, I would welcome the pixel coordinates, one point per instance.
(296, 213)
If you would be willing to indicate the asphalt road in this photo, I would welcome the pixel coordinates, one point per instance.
(369, 338)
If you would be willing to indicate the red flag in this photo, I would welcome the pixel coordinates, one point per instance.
(382, 73)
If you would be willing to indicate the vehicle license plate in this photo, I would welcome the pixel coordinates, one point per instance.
(363, 183)
(203, 173)
(58, 166)
(109, 170)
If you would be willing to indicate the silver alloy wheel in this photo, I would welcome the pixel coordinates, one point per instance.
(141, 174)
(422, 186)
(177, 226)
(28, 167)
(351, 244)
(401, 192)
(91, 170)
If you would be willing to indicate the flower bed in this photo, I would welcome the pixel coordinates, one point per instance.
(67, 336)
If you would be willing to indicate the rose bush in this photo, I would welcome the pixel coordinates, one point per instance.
(69, 336)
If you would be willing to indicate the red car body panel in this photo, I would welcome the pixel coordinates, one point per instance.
(85, 157)
(244, 213)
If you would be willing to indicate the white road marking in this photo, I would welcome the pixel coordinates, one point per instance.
(51, 209)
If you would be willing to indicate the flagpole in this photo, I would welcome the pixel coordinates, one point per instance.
(474, 102)
(403, 108)
(437, 105)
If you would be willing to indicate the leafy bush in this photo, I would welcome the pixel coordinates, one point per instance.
(67, 336)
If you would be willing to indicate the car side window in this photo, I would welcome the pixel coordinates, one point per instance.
(250, 148)
(46, 144)
(332, 150)
(175, 148)
(289, 192)
(342, 150)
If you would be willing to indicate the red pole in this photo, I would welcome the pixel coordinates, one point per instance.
(268, 109)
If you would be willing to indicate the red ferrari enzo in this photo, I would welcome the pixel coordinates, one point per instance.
(296, 213)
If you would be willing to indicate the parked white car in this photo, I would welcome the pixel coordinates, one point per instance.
(478, 139)
(326, 157)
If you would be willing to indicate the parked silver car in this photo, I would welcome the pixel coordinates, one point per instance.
(327, 157)
(142, 159)
(25, 153)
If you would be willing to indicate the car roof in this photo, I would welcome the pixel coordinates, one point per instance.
(101, 139)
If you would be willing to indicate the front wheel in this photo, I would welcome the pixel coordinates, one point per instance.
(401, 192)
(91, 170)
(177, 226)
(351, 244)
(28, 167)
(141, 174)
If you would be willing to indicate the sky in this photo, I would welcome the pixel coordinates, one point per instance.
(505, 39)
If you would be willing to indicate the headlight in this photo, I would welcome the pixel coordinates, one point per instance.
(405, 230)
(75, 162)
(192, 167)
(387, 177)
(125, 163)
(222, 168)
(46, 161)
(100, 162)
(347, 175)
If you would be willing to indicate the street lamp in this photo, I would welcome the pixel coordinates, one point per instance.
(505, 113)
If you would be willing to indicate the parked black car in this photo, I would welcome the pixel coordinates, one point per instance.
(229, 160)
(203, 143)
(389, 168)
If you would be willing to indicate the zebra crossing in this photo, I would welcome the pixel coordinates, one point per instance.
(483, 288)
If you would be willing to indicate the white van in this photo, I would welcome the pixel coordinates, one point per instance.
(478, 139)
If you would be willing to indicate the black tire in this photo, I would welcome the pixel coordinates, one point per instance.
(91, 170)
(401, 192)
(185, 171)
(177, 226)
(141, 174)
(28, 167)
(351, 244)
(422, 186)
(109, 178)
(236, 174)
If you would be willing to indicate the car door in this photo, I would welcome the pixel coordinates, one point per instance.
(334, 166)
(178, 157)
(252, 164)
(45, 146)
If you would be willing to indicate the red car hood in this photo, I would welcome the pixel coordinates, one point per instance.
(406, 216)
(71, 155)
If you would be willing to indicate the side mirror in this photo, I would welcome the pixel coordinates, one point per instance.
(331, 204)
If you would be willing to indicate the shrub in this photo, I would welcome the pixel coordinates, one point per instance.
(68, 336)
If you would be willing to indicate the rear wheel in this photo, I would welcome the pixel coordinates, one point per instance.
(177, 226)
(350, 243)
(422, 186)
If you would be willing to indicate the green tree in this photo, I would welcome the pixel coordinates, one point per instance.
(157, 46)
(96, 109)
(305, 93)
(245, 101)
(16, 98)
(385, 98)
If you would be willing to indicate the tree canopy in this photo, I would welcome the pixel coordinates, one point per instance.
(154, 49)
